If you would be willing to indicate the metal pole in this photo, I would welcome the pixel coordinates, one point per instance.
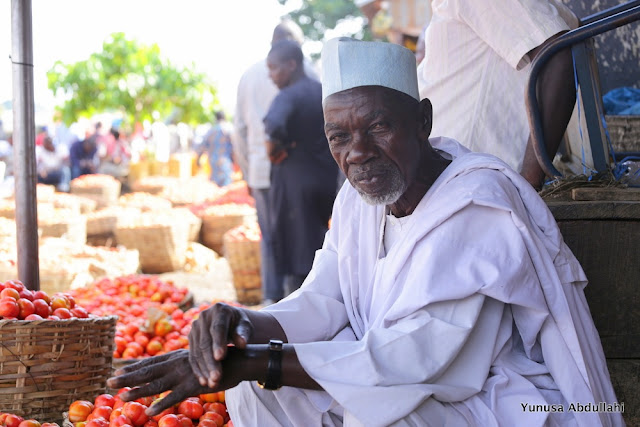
(24, 143)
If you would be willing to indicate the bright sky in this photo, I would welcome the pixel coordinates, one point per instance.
(222, 38)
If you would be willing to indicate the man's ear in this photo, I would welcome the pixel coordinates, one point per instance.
(425, 119)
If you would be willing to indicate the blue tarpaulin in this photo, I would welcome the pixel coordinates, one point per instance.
(623, 101)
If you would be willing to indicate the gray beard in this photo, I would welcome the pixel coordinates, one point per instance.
(397, 187)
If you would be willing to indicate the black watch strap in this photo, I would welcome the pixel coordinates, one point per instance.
(274, 367)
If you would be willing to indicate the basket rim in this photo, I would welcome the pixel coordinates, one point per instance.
(97, 319)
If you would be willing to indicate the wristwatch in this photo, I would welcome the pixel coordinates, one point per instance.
(274, 367)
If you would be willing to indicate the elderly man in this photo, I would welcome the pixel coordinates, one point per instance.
(443, 294)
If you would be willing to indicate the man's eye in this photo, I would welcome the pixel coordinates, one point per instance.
(337, 138)
(378, 126)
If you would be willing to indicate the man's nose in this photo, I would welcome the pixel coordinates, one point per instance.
(361, 150)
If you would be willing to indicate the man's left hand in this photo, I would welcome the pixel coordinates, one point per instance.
(170, 371)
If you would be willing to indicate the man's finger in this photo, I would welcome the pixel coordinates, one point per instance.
(220, 333)
(150, 389)
(195, 356)
(142, 375)
(142, 363)
(176, 396)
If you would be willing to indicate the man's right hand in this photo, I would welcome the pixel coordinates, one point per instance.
(210, 335)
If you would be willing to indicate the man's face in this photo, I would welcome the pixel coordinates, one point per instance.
(372, 136)
(280, 71)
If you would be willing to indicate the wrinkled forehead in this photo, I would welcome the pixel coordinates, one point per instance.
(364, 98)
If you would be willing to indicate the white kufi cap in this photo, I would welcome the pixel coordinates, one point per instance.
(349, 63)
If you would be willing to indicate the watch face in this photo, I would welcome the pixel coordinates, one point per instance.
(275, 344)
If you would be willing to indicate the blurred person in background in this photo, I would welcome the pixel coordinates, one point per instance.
(115, 159)
(303, 173)
(84, 157)
(217, 144)
(51, 166)
(256, 91)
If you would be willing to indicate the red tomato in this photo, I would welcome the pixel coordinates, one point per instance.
(219, 408)
(12, 420)
(42, 307)
(135, 412)
(214, 416)
(100, 412)
(97, 422)
(10, 293)
(80, 410)
(63, 313)
(191, 409)
(105, 399)
(169, 420)
(9, 307)
(120, 420)
(29, 423)
(26, 308)
(167, 411)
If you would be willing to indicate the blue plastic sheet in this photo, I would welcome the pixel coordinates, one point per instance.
(623, 101)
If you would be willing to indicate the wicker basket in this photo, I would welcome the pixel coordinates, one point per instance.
(103, 221)
(624, 132)
(80, 204)
(71, 227)
(215, 224)
(47, 364)
(161, 247)
(104, 195)
(244, 260)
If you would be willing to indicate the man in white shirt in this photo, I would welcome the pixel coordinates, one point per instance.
(256, 91)
(475, 70)
(443, 294)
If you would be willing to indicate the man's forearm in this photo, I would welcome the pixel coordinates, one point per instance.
(556, 97)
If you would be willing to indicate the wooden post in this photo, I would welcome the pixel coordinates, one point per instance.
(24, 143)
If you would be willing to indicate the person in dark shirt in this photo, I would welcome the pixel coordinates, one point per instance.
(84, 158)
(303, 173)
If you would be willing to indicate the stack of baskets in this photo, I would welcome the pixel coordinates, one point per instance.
(101, 224)
(104, 189)
(160, 237)
(64, 223)
(45, 365)
(242, 251)
(80, 204)
(218, 219)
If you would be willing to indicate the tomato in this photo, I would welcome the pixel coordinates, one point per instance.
(135, 412)
(105, 399)
(80, 410)
(169, 420)
(191, 409)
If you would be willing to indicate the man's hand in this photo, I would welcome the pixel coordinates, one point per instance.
(170, 371)
(276, 152)
(216, 327)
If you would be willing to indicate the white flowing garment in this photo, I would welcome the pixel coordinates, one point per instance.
(477, 313)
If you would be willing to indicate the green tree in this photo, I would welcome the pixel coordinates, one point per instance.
(315, 17)
(135, 80)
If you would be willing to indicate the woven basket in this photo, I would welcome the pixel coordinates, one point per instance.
(624, 132)
(103, 221)
(104, 195)
(72, 228)
(244, 261)
(161, 247)
(47, 364)
(214, 227)
(80, 204)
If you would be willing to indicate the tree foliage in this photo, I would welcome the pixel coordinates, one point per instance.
(135, 80)
(315, 17)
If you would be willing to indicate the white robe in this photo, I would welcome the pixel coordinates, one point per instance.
(478, 310)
